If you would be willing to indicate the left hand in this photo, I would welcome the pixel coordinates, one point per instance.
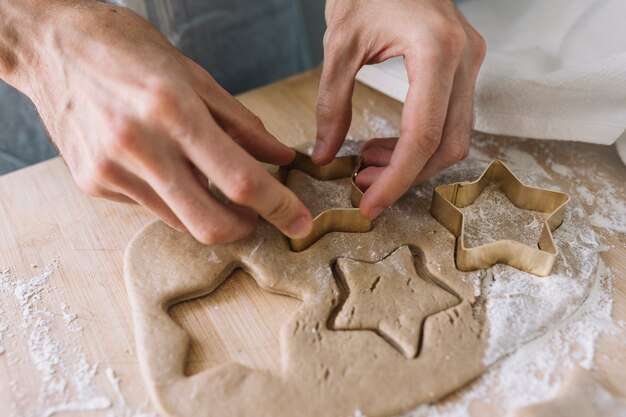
(442, 55)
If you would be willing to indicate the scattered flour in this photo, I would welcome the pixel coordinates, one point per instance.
(115, 383)
(609, 202)
(603, 198)
(379, 126)
(610, 212)
(96, 403)
(214, 258)
(359, 413)
(67, 379)
(3, 329)
(69, 317)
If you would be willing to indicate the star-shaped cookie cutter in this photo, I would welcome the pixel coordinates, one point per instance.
(448, 198)
(347, 220)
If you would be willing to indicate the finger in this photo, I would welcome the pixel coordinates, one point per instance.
(140, 192)
(460, 117)
(334, 103)
(387, 143)
(457, 129)
(207, 219)
(377, 155)
(172, 177)
(239, 122)
(99, 188)
(455, 136)
(111, 196)
(244, 181)
(423, 117)
(368, 176)
(248, 131)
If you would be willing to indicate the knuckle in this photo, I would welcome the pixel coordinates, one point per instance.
(335, 40)
(403, 183)
(479, 48)
(331, 37)
(455, 152)
(429, 137)
(281, 209)
(324, 104)
(89, 186)
(449, 35)
(123, 137)
(454, 39)
(243, 187)
(220, 233)
(161, 101)
(256, 121)
(102, 169)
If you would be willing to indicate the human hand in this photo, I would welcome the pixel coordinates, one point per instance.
(136, 121)
(442, 55)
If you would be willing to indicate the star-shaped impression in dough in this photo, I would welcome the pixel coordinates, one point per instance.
(390, 298)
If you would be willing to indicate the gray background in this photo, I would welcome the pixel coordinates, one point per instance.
(313, 12)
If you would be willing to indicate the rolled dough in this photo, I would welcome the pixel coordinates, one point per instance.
(419, 329)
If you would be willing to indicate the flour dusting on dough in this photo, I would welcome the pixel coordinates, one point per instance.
(493, 217)
(214, 258)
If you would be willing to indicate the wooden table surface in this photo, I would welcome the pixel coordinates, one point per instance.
(65, 326)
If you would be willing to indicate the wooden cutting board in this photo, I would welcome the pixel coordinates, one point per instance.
(79, 314)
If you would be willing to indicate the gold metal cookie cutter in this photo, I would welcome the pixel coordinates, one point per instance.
(347, 220)
(448, 198)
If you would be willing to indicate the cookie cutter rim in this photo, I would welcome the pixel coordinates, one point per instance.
(344, 219)
(449, 198)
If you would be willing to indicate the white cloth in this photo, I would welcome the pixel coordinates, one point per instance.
(555, 69)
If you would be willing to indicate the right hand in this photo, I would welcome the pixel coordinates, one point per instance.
(137, 121)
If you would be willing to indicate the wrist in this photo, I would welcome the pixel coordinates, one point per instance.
(26, 27)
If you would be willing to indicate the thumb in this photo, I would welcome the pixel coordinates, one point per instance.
(334, 107)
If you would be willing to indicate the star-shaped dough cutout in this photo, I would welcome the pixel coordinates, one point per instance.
(390, 298)
(449, 198)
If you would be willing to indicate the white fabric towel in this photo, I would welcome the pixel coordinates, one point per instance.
(555, 69)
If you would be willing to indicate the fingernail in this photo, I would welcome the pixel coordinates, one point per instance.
(300, 227)
(376, 211)
(319, 148)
